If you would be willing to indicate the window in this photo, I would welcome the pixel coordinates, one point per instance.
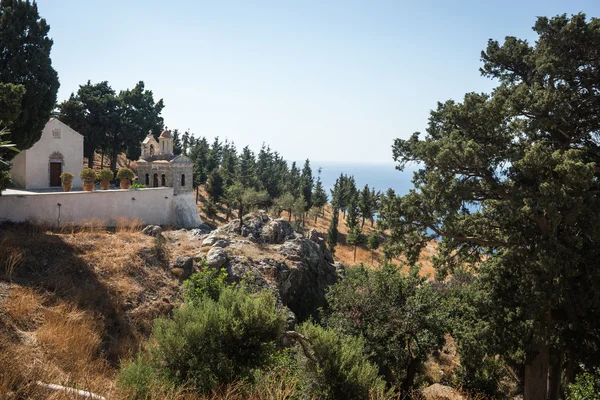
(56, 133)
(147, 179)
(151, 150)
(182, 179)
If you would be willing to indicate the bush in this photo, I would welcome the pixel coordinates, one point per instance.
(398, 314)
(105, 174)
(125, 173)
(87, 175)
(586, 386)
(342, 370)
(206, 284)
(137, 185)
(214, 342)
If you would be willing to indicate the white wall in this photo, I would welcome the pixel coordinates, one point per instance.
(37, 158)
(152, 206)
(18, 171)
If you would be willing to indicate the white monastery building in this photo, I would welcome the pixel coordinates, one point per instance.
(60, 149)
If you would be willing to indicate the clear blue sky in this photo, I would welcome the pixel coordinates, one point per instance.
(327, 80)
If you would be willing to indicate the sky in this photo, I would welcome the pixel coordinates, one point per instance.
(333, 81)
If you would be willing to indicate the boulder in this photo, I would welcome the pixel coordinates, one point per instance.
(211, 240)
(277, 231)
(221, 243)
(152, 230)
(184, 263)
(314, 235)
(216, 257)
(201, 230)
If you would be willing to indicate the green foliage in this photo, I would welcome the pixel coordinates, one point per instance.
(342, 370)
(105, 173)
(509, 182)
(5, 178)
(25, 48)
(319, 197)
(373, 241)
(160, 250)
(210, 209)
(299, 208)
(6, 146)
(137, 185)
(125, 173)
(139, 380)
(214, 186)
(217, 341)
(285, 203)
(397, 314)
(586, 386)
(307, 183)
(67, 177)
(11, 96)
(332, 231)
(87, 175)
(206, 284)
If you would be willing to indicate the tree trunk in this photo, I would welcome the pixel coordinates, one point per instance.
(354, 253)
(197, 193)
(372, 222)
(90, 157)
(241, 215)
(102, 160)
(363, 222)
(536, 374)
(411, 372)
(372, 257)
(554, 378)
(290, 216)
(316, 219)
(113, 160)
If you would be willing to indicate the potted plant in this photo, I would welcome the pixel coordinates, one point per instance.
(105, 176)
(67, 181)
(88, 176)
(125, 175)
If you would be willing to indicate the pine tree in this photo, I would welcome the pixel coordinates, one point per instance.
(25, 60)
(177, 148)
(246, 172)
(293, 184)
(229, 163)
(373, 243)
(352, 216)
(199, 154)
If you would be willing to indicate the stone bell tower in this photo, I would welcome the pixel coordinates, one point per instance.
(165, 142)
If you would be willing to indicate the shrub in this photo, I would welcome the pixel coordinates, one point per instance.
(67, 177)
(105, 174)
(398, 314)
(215, 342)
(125, 173)
(586, 386)
(87, 175)
(342, 370)
(208, 283)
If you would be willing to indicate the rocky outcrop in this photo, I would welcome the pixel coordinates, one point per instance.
(183, 266)
(299, 281)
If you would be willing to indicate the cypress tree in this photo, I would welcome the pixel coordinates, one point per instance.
(319, 196)
(365, 205)
(25, 60)
(307, 184)
(332, 232)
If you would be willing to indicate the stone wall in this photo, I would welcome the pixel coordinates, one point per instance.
(156, 206)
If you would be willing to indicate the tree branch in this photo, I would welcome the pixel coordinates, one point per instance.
(303, 340)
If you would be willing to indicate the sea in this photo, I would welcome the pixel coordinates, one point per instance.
(381, 176)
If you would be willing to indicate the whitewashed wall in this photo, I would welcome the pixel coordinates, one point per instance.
(154, 206)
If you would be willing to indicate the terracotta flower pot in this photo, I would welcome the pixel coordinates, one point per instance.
(104, 184)
(88, 186)
(67, 186)
(125, 183)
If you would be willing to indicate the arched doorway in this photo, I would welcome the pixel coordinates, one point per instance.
(163, 180)
(55, 168)
(147, 179)
(155, 183)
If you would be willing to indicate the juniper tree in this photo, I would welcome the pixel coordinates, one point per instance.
(510, 182)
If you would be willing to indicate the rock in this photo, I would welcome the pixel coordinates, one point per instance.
(210, 240)
(277, 231)
(263, 215)
(184, 263)
(441, 392)
(221, 243)
(314, 235)
(152, 230)
(199, 256)
(201, 230)
(216, 257)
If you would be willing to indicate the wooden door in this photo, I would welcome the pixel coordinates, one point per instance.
(55, 171)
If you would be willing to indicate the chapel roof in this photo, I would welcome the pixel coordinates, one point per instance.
(166, 134)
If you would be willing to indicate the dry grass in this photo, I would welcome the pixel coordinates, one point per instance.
(80, 299)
